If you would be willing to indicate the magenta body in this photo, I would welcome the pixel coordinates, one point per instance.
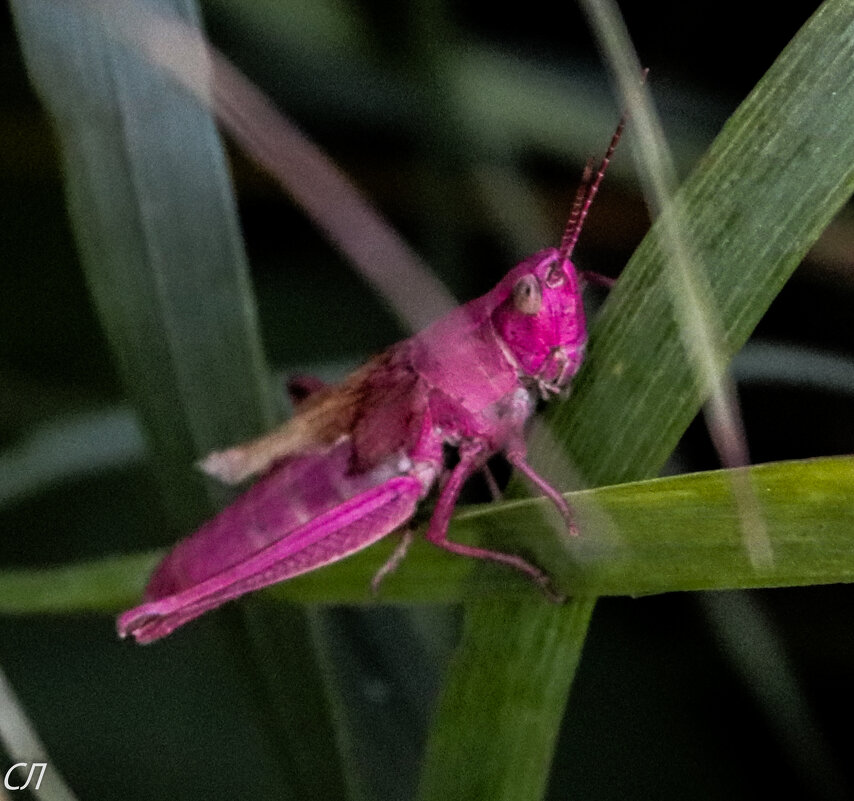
(470, 381)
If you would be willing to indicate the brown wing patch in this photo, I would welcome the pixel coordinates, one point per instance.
(392, 403)
(322, 418)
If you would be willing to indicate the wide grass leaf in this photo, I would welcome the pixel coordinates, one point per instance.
(660, 535)
(152, 209)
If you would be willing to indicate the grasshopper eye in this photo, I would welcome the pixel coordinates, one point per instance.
(527, 295)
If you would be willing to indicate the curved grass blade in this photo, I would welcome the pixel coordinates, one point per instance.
(304, 171)
(151, 205)
(150, 201)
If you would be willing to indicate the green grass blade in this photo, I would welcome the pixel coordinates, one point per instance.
(522, 711)
(660, 535)
(151, 205)
(779, 171)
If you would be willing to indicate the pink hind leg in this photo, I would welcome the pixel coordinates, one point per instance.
(437, 531)
(327, 538)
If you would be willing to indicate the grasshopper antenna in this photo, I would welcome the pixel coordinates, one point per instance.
(587, 190)
(584, 196)
(578, 203)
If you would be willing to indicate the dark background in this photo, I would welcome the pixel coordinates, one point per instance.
(709, 695)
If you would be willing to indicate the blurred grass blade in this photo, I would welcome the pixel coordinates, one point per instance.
(755, 649)
(304, 171)
(69, 446)
(773, 179)
(690, 295)
(152, 210)
(150, 201)
(21, 742)
(665, 535)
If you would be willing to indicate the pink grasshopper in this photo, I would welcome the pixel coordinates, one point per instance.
(354, 462)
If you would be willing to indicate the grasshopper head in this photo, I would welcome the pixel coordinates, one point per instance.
(541, 320)
(541, 317)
